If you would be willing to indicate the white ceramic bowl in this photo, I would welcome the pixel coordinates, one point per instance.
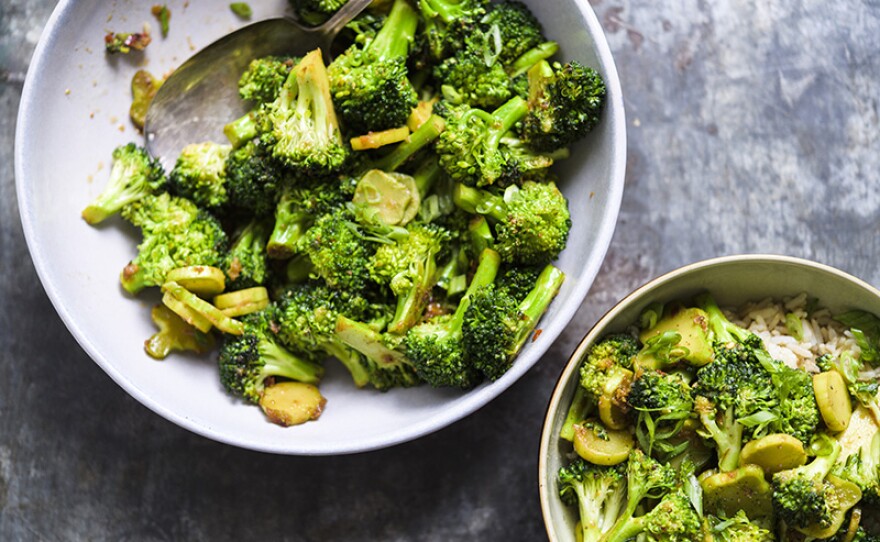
(74, 112)
(733, 281)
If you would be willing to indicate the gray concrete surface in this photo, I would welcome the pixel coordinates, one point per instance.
(753, 127)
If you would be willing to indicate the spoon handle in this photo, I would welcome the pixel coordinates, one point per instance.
(346, 13)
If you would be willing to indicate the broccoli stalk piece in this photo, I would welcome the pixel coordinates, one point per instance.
(387, 367)
(369, 85)
(531, 223)
(305, 130)
(647, 478)
(598, 492)
(805, 497)
(435, 346)
(245, 264)
(133, 175)
(496, 326)
(200, 174)
(663, 404)
(176, 233)
(565, 103)
(409, 268)
(249, 360)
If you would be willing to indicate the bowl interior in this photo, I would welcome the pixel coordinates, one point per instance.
(74, 112)
(733, 281)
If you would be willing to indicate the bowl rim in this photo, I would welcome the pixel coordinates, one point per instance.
(598, 329)
(474, 400)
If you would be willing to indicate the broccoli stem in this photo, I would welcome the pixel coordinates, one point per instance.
(724, 330)
(503, 119)
(289, 229)
(349, 358)
(580, 408)
(536, 302)
(426, 175)
(299, 269)
(728, 440)
(480, 234)
(280, 362)
(241, 130)
(410, 307)
(446, 10)
(396, 34)
(367, 341)
(476, 201)
(532, 57)
(427, 132)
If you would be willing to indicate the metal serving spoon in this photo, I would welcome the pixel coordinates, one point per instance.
(201, 96)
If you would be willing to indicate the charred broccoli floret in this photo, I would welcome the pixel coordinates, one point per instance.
(176, 233)
(565, 103)
(200, 174)
(247, 361)
(133, 175)
(531, 223)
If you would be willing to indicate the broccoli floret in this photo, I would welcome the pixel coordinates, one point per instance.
(471, 150)
(299, 205)
(305, 132)
(514, 28)
(647, 478)
(517, 281)
(448, 23)
(604, 362)
(247, 361)
(565, 103)
(724, 331)
(803, 497)
(369, 84)
(796, 413)
(306, 322)
(862, 467)
(738, 528)
(200, 174)
(253, 179)
(531, 223)
(598, 492)
(176, 233)
(496, 326)
(472, 76)
(315, 12)
(663, 404)
(262, 80)
(339, 252)
(245, 264)
(133, 175)
(408, 267)
(385, 364)
(435, 346)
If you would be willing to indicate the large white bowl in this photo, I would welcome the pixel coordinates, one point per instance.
(74, 112)
(733, 281)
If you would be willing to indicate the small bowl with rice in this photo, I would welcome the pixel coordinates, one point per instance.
(795, 306)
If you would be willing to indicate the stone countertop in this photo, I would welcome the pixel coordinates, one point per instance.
(753, 127)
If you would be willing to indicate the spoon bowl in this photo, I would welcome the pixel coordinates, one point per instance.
(201, 96)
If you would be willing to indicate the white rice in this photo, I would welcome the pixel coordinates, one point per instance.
(821, 334)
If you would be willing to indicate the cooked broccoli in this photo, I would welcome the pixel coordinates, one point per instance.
(447, 23)
(133, 175)
(803, 497)
(200, 174)
(176, 233)
(339, 252)
(514, 29)
(738, 528)
(598, 492)
(565, 103)
(796, 412)
(247, 361)
(865, 391)
(245, 264)
(253, 179)
(647, 478)
(473, 76)
(175, 334)
(663, 404)
(517, 281)
(605, 360)
(472, 150)
(305, 132)
(531, 223)
(435, 346)
(264, 77)
(315, 12)
(724, 331)
(496, 326)
(408, 267)
(299, 205)
(387, 367)
(369, 83)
